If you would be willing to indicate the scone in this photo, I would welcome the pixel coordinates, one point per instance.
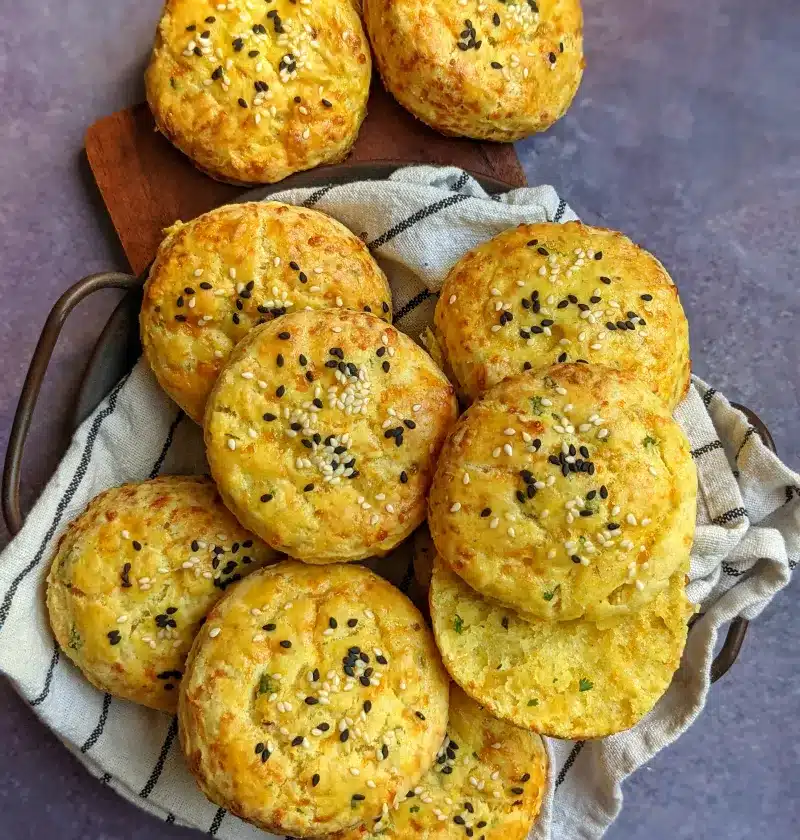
(566, 492)
(492, 71)
(241, 265)
(545, 293)
(254, 92)
(572, 679)
(312, 696)
(133, 577)
(323, 431)
(488, 782)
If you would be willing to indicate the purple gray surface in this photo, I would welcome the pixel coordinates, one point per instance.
(685, 135)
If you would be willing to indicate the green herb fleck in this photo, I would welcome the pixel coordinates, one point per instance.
(649, 441)
(585, 685)
(475, 756)
(536, 406)
(548, 596)
(414, 808)
(550, 382)
(533, 703)
(265, 685)
(458, 624)
(591, 504)
(75, 641)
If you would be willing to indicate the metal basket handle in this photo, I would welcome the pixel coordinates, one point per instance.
(34, 378)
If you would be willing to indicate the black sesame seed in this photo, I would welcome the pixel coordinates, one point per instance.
(562, 304)
(284, 336)
(235, 318)
(343, 736)
(180, 318)
(504, 622)
(364, 681)
(114, 637)
(280, 391)
(587, 513)
(137, 546)
(348, 669)
(242, 102)
(496, 19)
(302, 277)
(403, 477)
(279, 360)
(525, 778)
(259, 747)
(458, 819)
(517, 790)
(309, 376)
(351, 622)
(603, 492)
(324, 727)
(552, 57)
(521, 496)
(481, 824)
(238, 44)
(595, 299)
(385, 751)
(358, 797)
(599, 254)
(315, 780)
(367, 706)
(612, 526)
(308, 488)
(386, 367)
(537, 330)
(585, 452)
(562, 357)
(420, 715)
(606, 280)
(497, 65)
(532, 243)
(270, 417)
(191, 27)
(296, 741)
(285, 643)
(311, 701)
(326, 103)
(447, 770)
(210, 19)
(526, 366)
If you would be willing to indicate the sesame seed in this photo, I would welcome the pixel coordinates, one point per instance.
(214, 632)
(455, 507)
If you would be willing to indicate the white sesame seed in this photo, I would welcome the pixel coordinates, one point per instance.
(603, 433)
(512, 532)
(496, 452)
(630, 519)
(214, 632)
(546, 402)
(231, 443)
(639, 585)
(455, 507)
(452, 299)
(509, 432)
(122, 619)
(653, 471)
(247, 375)
(507, 448)
(494, 523)
(645, 521)
(465, 478)
(416, 407)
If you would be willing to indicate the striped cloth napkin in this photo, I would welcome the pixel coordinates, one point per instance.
(417, 223)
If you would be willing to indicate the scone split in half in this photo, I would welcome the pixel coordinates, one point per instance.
(313, 697)
(566, 492)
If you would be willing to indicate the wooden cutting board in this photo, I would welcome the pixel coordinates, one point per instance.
(147, 184)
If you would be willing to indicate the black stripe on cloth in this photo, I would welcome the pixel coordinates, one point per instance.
(576, 751)
(751, 430)
(218, 818)
(411, 305)
(709, 447)
(80, 472)
(424, 213)
(729, 516)
(105, 778)
(316, 196)
(708, 396)
(170, 818)
(792, 565)
(98, 730)
(731, 572)
(562, 206)
(461, 182)
(37, 701)
(167, 444)
(791, 490)
(162, 757)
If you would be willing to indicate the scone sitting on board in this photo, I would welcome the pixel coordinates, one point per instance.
(313, 696)
(567, 679)
(134, 576)
(566, 492)
(489, 70)
(488, 782)
(322, 433)
(238, 266)
(254, 92)
(540, 294)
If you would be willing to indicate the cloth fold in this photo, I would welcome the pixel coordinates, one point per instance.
(417, 224)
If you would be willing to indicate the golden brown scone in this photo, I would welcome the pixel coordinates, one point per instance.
(569, 679)
(323, 432)
(545, 293)
(488, 782)
(489, 70)
(253, 92)
(566, 492)
(134, 576)
(241, 265)
(312, 697)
